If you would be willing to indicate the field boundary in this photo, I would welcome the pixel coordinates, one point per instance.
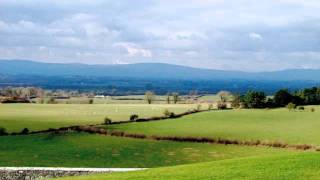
(223, 141)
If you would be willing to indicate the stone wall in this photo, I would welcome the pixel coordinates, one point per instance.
(27, 173)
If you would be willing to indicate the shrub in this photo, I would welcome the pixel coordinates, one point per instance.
(107, 120)
(3, 131)
(291, 106)
(301, 108)
(51, 100)
(166, 113)
(210, 106)
(90, 101)
(25, 131)
(312, 110)
(133, 117)
(221, 105)
(199, 107)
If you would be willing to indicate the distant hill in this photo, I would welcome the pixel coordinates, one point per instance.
(148, 71)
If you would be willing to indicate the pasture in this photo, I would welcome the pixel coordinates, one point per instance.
(15, 117)
(86, 150)
(296, 166)
(298, 127)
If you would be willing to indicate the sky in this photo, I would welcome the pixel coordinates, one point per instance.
(246, 35)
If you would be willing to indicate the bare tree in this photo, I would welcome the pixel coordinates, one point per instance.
(149, 96)
(175, 97)
(223, 95)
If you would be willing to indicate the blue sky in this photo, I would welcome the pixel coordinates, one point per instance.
(243, 35)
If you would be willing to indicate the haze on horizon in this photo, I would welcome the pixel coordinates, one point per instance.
(241, 35)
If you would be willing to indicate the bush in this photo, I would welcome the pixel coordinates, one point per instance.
(312, 110)
(221, 105)
(107, 120)
(199, 107)
(301, 108)
(167, 113)
(3, 131)
(25, 131)
(51, 100)
(210, 106)
(90, 101)
(291, 106)
(134, 117)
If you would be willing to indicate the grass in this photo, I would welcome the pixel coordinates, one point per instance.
(14, 117)
(86, 150)
(268, 125)
(297, 166)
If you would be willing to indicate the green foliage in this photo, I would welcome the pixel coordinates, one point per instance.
(221, 105)
(312, 109)
(25, 131)
(291, 106)
(236, 101)
(134, 117)
(199, 107)
(282, 98)
(3, 131)
(166, 113)
(301, 108)
(90, 101)
(51, 100)
(107, 120)
(254, 99)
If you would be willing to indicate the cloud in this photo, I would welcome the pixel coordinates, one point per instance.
(255, 36)
(134, 50)
(235, 34)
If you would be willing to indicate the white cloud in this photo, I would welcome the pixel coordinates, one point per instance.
(196, 33)
(255, 36)
(134, 50)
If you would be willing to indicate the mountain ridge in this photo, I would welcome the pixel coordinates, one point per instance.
(149, 71)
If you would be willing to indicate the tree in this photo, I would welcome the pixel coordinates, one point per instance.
(236, 101)
(223, 95)
(134, 117)
(254, 99)
(282, 98)
(149, 96)
(291, 106)
(168, 98)
(175, 97)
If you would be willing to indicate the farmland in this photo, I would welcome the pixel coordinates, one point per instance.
(15, 117)
(269, 125)
(167, 159)
(295, 166)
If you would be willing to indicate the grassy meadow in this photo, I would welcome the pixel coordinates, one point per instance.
(87, 150)
(15, 117)
(168, 160)
(303, 166)
(269, 125)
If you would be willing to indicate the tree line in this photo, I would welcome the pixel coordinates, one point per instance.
(283, 97)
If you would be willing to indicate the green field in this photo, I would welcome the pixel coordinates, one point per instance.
(296, 166)
(269, 125)
(85, 150)
(71, 149)
(15, 117)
